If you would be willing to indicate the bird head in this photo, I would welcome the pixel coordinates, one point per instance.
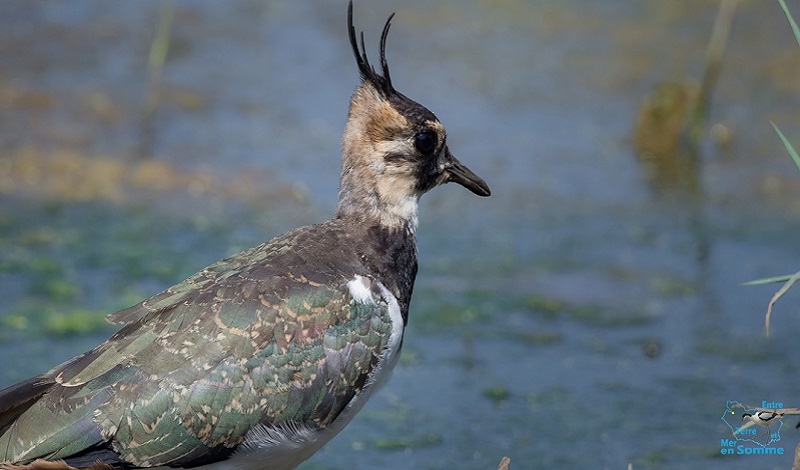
(394, 149)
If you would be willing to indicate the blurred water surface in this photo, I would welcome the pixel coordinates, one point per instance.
(589, 314)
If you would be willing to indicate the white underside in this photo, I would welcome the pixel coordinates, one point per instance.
(287, 447)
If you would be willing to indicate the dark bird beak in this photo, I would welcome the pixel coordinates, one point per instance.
(457, 172)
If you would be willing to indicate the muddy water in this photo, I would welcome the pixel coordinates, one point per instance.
(589, 314)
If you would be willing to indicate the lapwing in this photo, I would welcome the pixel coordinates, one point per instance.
(260, 359)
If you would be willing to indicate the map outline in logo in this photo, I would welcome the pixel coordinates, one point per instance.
(747, 431)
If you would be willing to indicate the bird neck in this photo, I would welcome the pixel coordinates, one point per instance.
(378, 201)
(369, 188)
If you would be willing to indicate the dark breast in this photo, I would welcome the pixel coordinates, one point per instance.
(338, 250)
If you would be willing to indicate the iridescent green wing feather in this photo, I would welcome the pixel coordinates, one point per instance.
(201, 364)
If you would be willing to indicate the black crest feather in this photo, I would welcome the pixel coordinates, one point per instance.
(383, 83)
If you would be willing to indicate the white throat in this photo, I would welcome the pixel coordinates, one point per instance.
(401, 213)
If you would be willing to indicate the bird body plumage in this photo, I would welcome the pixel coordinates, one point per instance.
(267, 337)
(258, 360)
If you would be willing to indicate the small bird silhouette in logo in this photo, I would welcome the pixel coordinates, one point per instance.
(764, 419)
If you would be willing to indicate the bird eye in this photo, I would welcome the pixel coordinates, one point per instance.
(425, 142)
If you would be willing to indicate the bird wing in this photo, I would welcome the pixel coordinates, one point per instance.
(196, 367)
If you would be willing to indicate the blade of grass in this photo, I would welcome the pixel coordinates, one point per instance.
(158, 55)
(784, 288)
(788, 14)
(788, 145)
(767, 280)
(155, 65)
